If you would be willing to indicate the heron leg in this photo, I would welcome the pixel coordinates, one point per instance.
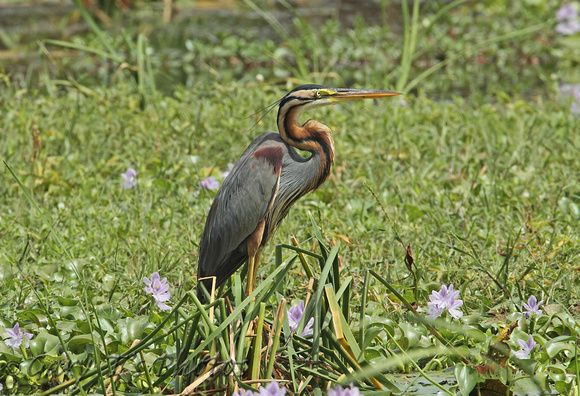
(251, 275)
(254, 255)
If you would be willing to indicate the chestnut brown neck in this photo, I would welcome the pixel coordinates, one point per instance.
(312, 136)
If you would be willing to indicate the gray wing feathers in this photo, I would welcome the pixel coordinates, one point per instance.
(239, 205)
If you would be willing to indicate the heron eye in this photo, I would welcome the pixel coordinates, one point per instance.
(318, 94)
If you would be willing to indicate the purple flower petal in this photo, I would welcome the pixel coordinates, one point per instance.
(568, 27)
(533, 306)
(162, 306)
(339, 391)
(129, 179)
(446, 298)
(159, 289)
(295, 315)
(526, 347)
(567, 11)
(434, 310)
(453, 308)
(308, 328)
(210, 183)
(16, 336)
(272, 389)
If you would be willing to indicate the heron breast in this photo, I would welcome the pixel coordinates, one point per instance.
(273, 155)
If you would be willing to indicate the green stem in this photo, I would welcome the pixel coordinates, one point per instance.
(279, 319)
(255, 368)
(147, 374)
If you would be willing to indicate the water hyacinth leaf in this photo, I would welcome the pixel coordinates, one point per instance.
(563, 387)
(35, 315)
(37, 345)
(77, 343)
(372, 353)
(557, 373)
(133, 329)
(105, 325)
(45, 343)
(411, 334)
(47, 271)
(32, 368)
(387, 324)
(370, 335)
(528, 366)
(466, 378)
(475, 334)
(83, 326)
(66, 327)
(109, 312)
(73, 313)
(574, 366)
(554, 349)
(67, 302)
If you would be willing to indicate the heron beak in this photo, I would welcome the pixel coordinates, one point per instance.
(343, 95)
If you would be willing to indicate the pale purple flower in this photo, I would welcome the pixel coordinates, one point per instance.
(567, 11)
(273, 389)
(434, 309)
(532, 307)
(226, 173)
(568, 28)
(446, 298)
(210, 183)
(308, 328)
(453, 308)
(159, 289)
(16, 337)
(129, 179)
(569, 23)
(526, 348)
(294, 315)
(339, 391)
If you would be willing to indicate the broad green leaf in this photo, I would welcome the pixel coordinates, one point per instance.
(132, 329)
(466, 378)
(77, 343)
(67, 302)
(45, 343)
(370, 335)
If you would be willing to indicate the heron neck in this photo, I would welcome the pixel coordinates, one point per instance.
(311, 136)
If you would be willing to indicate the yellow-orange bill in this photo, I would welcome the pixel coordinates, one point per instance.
(342, 94)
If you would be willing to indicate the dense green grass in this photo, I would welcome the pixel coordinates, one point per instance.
(485, 189)
(471, 187)
(498, 175)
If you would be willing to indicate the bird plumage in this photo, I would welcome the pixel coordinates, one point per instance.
(244, 199)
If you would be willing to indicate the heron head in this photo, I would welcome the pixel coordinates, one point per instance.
(312, 95)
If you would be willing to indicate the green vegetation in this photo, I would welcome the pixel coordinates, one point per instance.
(476, 169)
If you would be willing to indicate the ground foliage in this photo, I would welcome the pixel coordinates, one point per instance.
(482, 187)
